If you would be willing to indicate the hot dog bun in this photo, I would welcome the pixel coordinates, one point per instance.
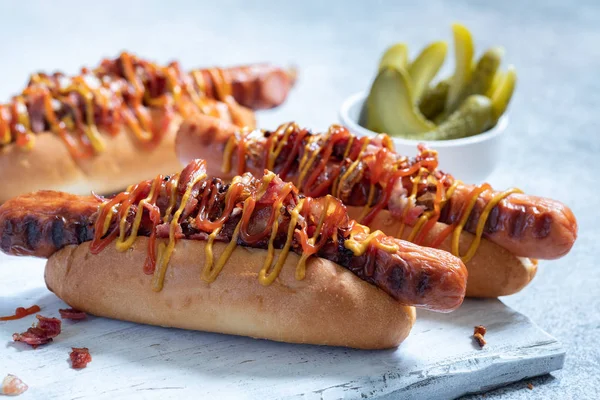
(493, 271)
(48, 165)
(331, 306)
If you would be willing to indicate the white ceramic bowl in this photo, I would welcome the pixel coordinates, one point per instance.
(470, 159)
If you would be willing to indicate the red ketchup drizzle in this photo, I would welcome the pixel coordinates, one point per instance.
(21, 312)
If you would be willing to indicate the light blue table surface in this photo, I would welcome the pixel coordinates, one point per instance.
(552, 145)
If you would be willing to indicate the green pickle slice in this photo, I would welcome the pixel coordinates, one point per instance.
(463, 53)
(503, 92)
(474, 116)
(426, 66)
(391, 108)
(395, 56)
(484, 72)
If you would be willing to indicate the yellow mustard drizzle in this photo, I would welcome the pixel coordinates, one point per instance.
(23, 120)
(301, 267)
(210, 273)
(410, 200)
(199, 79)
(367, 206)
(352, 166)
(173, 84)
(91, 131)
(287, 130)
(108, 219)
(335, 185)
(480, 223)
(172, 198)
(165, 252)
(307, 160)
(450, 192)
(419, 225)
(265, 276)
(221, 84)
(197, 97)
(122, 243)
(359, 248)
(228, 154)
(426, 215)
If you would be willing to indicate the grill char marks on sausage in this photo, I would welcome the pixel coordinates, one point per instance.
(39, 224)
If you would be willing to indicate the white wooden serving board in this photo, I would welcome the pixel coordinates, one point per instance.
(438, 360)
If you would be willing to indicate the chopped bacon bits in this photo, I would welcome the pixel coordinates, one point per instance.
(478, 334)
(80, 357)
(41, 333)
(71, 313)
(12, 386)
(480, 329)
(480, 340)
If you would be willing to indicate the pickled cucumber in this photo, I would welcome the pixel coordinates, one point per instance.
(484, 72)
(498, 77)
(395, 56)
(433, 100)
(503, 93)
(426, 66)
(391, 107)
(474, 116)
(463, 53)
(403, 102)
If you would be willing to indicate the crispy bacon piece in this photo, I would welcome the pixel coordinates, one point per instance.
(12, 386)
(480, 329)
(80, 357)
(41, 333)
(479, 339)
(71, 313)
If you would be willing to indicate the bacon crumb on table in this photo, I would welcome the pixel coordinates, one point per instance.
(80, 357)
(480, 329)
(41, 333)
(480, 340)
(12, 386)
(71, 313)
(478, 334)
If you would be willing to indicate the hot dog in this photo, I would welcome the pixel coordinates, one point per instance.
(499, 235)
(256, 86)
(119, 120)
(251, 257)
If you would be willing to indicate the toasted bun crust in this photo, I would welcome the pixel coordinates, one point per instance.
(331, 306)
(508, 275)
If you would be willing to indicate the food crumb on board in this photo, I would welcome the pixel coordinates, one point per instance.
(530, 386)
(480, 329)
(478, 334)
(12, 386)
(480, 340)
(80, 357)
